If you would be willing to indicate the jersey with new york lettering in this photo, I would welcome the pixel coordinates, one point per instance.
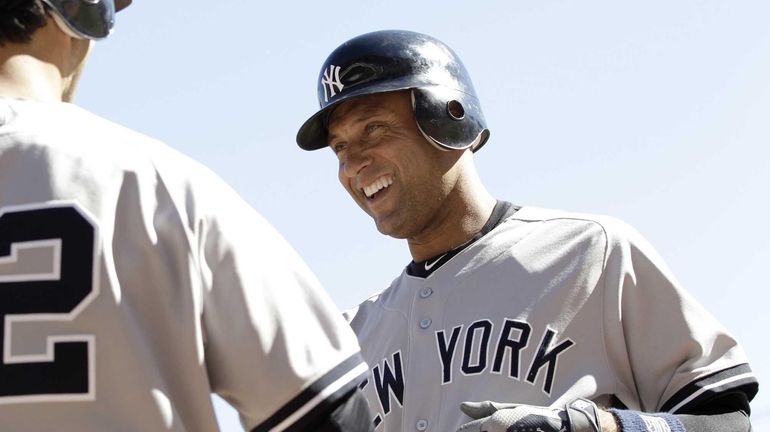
(544, 307)
(134, 283)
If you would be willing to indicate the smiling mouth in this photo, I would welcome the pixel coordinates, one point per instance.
(376, 186)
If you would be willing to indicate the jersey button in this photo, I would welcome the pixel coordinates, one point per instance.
(425, 323)
(422, 425)
(426, 292)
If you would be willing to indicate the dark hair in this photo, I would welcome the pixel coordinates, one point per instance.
(19, 19)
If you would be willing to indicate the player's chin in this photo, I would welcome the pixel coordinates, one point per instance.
(389, 226)
(390, 232)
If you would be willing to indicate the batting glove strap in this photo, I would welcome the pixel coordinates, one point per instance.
(583, 416)
(633, 421)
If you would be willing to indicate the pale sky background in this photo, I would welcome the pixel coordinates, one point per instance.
(656, 112)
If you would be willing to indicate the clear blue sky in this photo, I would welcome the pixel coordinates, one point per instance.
(655, 112)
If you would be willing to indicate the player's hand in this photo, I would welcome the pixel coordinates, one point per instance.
(580, 415)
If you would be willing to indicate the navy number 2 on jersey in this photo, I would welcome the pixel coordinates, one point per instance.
(47, 275)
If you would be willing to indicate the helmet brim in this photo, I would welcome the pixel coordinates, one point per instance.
(312, 135)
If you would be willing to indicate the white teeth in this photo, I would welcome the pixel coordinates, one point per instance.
(377, 185)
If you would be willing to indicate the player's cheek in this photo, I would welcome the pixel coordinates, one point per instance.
(343, 179)
(348, 186)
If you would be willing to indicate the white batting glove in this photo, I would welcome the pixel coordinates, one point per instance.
(580, 415)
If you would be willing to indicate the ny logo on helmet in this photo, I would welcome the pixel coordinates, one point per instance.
(330, 81)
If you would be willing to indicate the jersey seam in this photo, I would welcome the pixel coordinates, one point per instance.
(603, 306)
(197, 249)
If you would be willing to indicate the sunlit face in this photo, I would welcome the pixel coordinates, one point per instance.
(392, 172)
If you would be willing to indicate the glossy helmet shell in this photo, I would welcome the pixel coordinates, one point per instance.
(86, 19)
(446, 108)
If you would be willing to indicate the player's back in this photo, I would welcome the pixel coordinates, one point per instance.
(107, 250)
(99, 298)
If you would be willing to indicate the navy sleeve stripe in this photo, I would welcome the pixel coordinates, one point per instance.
(739, 378)
(319, 396)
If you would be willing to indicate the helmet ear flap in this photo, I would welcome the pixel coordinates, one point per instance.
(448, 118)
(84, 19)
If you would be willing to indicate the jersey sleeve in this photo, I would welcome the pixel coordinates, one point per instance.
(276, 347)
(670, 354)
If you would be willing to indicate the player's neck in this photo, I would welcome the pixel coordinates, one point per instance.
(25, 77)
(467, 209)
(41, 69)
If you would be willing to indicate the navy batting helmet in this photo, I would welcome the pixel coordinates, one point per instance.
(86, 19)
(445, 105)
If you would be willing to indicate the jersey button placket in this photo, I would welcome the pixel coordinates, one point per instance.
(425, 292)
(427, 313)
(425, 323)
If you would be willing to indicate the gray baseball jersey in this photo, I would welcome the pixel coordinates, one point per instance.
(544, 307)
(134, 283)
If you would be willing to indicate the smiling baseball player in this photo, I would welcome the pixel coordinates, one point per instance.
(133, 282)
(508, 318)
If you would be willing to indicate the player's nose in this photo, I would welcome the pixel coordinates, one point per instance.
(356, 160)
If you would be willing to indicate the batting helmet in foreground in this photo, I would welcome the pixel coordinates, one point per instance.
(86, 19)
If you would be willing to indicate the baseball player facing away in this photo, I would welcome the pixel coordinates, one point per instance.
(133, 281)
(508, 318)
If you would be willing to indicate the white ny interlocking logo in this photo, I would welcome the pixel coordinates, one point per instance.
(330, 81)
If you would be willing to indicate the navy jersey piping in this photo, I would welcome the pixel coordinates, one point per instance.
(317, 414)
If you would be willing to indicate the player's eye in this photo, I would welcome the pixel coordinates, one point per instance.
(338, 147)
(372, 127)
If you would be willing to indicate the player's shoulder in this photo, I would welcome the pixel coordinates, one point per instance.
(381, 301)
(70, 133)
(139, 148)
(562, 227)
(609, 226)
(65, 130)
(363, 308)
(61, 122)
(131, 145)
